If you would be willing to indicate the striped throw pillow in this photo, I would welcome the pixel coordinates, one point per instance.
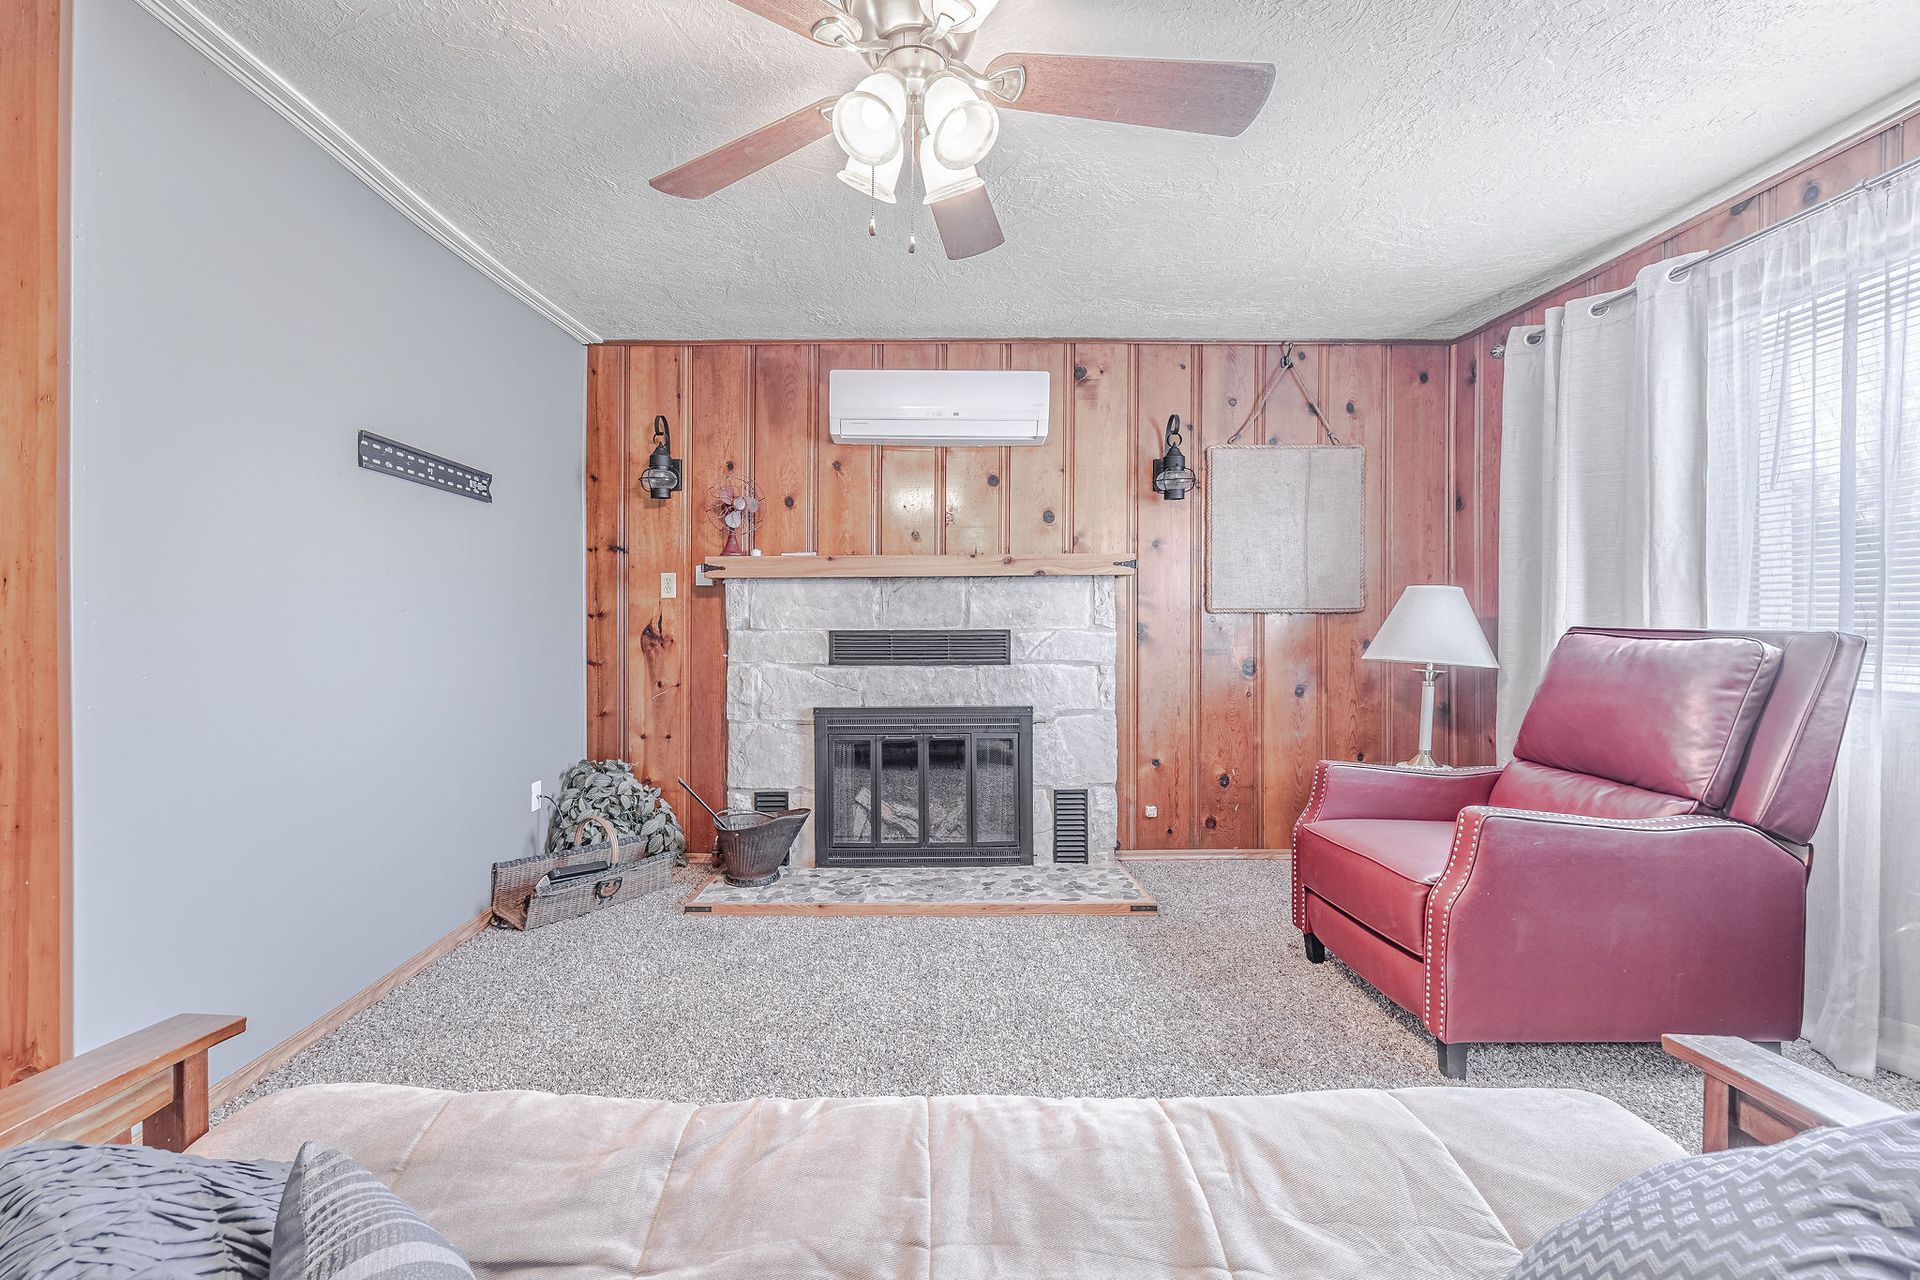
(339, 1222)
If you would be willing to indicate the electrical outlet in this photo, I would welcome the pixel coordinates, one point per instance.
(701, 578)
(533, 803)
(669, 586)
(1153, 811)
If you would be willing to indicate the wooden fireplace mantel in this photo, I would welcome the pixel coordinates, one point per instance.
(721, 568)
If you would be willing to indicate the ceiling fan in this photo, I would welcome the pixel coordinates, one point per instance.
(923, 113)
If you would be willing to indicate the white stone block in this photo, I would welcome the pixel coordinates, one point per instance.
(1103, 596)
(796, 648)
(764, 757)
(920, 686)
(1103, 823)
(814, 604)
(1030, 603)
(789, 694)
(1049, 688)
(743, 691)
(1095, 647)
(1076, 751)
(923, 604)
(739, 596)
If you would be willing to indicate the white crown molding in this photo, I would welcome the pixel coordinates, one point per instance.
(206, 35)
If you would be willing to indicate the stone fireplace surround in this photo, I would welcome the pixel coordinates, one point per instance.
(1064, 656)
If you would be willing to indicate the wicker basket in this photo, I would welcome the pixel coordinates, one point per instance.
(524, 897)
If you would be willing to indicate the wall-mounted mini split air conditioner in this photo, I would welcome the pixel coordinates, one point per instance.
(938, 406)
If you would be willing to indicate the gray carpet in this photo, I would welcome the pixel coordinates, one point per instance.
(1214, 996)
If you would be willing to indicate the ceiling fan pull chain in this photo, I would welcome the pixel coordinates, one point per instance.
(917, 184)
(873, 187)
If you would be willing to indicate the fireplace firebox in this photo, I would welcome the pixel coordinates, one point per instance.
(923, 786)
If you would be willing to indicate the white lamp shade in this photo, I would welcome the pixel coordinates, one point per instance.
(1433, 624)
(941, 182)
(867, 122)
(876, 180)
(963, 125)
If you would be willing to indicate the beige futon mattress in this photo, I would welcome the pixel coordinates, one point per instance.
(1409, 1182)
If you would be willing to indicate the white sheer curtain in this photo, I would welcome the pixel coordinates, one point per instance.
(1813, 441)
(1602, 475)
(1741, 447)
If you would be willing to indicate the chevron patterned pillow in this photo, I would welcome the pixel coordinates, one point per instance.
(339, 1222)
(1829, 1203)
(113, 1213)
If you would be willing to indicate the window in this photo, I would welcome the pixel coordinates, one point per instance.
(1816, 420)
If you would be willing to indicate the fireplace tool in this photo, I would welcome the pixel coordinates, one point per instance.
(753, 845)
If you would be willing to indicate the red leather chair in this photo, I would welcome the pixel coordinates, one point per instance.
(1640, 867)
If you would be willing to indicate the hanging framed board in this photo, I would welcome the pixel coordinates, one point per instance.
(1286, 528)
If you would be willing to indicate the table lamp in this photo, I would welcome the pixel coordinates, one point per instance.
(1431, 627)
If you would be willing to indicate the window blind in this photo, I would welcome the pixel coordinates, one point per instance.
(1834, 380)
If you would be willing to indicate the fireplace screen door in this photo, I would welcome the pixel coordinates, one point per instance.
(923, 786)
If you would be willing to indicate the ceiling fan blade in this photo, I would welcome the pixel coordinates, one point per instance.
(968, 225)
(797, 16)
(698, 179)
(1221, 98)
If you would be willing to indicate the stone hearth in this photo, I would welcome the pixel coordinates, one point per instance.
(1064, 653)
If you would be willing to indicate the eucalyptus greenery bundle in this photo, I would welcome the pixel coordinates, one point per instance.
(609, 789)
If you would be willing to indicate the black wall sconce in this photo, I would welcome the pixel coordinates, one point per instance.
(662, 478)
(1173, 479)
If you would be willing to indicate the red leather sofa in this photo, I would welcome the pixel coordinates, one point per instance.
(1639, 868)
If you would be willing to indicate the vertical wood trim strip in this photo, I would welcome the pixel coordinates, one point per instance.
(36, 933)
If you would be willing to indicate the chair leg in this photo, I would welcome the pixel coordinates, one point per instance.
(1453, 1060)
(1316, 950)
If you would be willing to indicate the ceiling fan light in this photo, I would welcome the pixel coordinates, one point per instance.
(966, 134)
(941, 182)
(867, 123)
(880, 181)
(963, 125)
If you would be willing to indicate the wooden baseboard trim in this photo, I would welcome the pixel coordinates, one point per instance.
(305, 1038)
(1204, 855)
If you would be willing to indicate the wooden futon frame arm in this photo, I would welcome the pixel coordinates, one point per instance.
(155, 1078)
(1755, 1097)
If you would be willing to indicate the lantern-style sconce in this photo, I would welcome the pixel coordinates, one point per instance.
(662, 478)
(1173, 479)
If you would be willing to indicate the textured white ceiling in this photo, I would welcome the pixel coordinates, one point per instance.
(1420, 166)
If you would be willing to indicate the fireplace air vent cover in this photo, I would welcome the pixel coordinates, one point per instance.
(919, 648)
(1070, 838)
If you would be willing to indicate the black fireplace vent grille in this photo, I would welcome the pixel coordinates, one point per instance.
(919, 648)
(1070, 838)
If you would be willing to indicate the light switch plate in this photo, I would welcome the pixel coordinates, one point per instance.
(700, 577)
(533, 805)
(669, 586)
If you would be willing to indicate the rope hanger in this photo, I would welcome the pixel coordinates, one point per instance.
(1286, 369)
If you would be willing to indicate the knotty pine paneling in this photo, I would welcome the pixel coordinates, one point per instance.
(606, 472)
(36, 951)
(911, 480)
(1165, 587)
(1478, 377)
(1221, 717)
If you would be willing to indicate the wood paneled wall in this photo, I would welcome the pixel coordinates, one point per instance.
(1479, 381)
(35, 951)
(1221, 716)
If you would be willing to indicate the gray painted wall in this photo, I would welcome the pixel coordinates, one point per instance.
(308, 699)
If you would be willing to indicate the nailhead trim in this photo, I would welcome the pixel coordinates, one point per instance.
(1322, 774)
(1475, 818)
